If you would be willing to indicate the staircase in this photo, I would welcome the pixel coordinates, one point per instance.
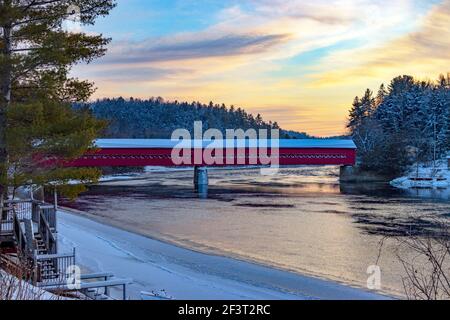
(40, 245)
(47, 269)
(31, 228)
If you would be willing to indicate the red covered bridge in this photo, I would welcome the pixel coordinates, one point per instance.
(142, 153)
(137, 153)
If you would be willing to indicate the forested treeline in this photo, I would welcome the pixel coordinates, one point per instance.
(406, 122)
(157, 119)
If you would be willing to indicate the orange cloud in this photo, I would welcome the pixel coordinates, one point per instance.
(424, 53)
(233, 60)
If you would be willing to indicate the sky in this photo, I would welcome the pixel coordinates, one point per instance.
(297, 62)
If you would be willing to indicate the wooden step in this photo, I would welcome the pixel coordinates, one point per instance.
(49, 272)
(48, 268)
(49, 275)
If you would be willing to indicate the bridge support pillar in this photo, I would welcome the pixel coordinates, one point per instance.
(346, 174)
(201, 180)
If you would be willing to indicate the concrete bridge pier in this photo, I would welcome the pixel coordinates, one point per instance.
(346, 174)
(201, 181)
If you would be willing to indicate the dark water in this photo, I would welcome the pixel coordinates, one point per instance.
(301, 219)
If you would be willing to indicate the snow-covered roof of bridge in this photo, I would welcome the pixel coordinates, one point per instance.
(163, 144)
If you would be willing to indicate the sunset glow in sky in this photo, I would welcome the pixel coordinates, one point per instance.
(297, 62)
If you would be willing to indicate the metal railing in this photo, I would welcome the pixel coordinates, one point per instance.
(47, 234)
(23, 220)
(54, 269)
(50, 215)
(22, 208)
(6, 226)
(26, 210)
(35, 209)
(17, 214)
(25, 248)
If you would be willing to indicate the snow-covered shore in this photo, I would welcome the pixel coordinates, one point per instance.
(425, 176)
(12, 288)
(184, 274)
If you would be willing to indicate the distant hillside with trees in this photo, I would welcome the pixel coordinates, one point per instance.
(156, 118)
(404, 123)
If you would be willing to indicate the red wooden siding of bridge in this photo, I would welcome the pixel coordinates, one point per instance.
(137, 153)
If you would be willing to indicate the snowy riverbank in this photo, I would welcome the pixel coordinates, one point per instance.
(185, 274)
(12, 288)
(424, 176)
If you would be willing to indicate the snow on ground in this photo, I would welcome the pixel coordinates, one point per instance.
(137, 175)
(184, 274)
(118, 177)
(166, 169)
(12, 288)
(425, 177)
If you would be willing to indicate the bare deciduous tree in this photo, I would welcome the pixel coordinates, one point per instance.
(425, 257)
(428, 272)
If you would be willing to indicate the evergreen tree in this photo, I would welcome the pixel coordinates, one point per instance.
(37, 124)
(356, 114)
(381, 95)
(147, 119)
(409, 115)
(367, 105)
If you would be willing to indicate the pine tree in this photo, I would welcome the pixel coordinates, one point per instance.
(381, 95)
(146, 119)
(367, 105)
(410, 115)
(356, 114)
(36, 120)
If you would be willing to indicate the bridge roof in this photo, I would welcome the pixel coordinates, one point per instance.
(166, 143)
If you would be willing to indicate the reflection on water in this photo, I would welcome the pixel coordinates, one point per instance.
(302, 219)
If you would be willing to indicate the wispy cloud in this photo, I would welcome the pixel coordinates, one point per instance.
(232, 54)
(192, 47)
(423, 53)
(134, 74)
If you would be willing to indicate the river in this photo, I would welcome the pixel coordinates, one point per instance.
(300, 220)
